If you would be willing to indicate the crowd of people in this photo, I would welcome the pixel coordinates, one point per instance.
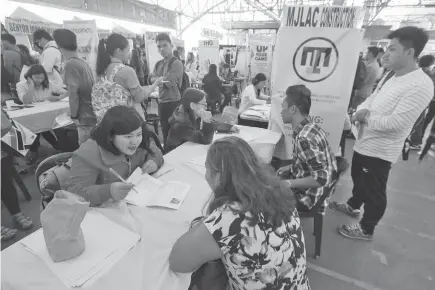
(252, 223)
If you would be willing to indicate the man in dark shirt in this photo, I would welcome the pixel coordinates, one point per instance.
(13, 60)
(169, 92)
(79, 79)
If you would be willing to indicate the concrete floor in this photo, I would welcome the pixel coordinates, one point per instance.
(401, 257)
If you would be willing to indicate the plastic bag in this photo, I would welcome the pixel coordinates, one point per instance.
(61, 222)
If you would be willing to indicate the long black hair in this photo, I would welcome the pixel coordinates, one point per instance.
(106, 49)
(212, 70)
(120, 120)
(37, 69)
(191, 96)
(246, 180)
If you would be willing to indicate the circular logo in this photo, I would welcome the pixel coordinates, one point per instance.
(315, 59)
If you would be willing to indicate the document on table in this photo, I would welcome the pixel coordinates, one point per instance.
(106, 243)
(252, 113)
(261, 108)
(198, 160)
(150, 191)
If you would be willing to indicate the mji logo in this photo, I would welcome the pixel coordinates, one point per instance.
(315, 59)
(208, 43)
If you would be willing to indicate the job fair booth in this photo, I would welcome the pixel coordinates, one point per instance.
(316, 46)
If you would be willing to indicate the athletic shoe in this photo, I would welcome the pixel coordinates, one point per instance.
(354, 232)
(415, 147)
(345, 208)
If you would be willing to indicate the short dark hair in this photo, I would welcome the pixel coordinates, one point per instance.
(426, 60)
(120, 120)
(225, 65)
(9, 38)
(411, 37)
(41, 33)
(300, 96)
(373, 50)
(163, 37)
(37, 69)
(65, 39)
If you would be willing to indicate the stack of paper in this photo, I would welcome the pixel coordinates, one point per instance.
(265, 108)
(252, 113)
(149, 191)
(106, 243)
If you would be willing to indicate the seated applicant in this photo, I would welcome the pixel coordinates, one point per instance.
(122, 142)
(314, 163)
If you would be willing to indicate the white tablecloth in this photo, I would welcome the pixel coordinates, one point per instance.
(41, 117)
(146, 266)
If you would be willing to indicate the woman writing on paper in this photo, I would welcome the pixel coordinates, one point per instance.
(121, 142)
(252, 94)
(252, 225)
(37, 88)
(190, 121)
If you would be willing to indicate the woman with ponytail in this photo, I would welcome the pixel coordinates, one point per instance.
(113, 53)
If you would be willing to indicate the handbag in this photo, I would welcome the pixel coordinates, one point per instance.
(18, 138)
(210, 276)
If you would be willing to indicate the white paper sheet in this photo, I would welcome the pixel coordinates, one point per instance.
(106, 243)
(150, 191)
(198, 160)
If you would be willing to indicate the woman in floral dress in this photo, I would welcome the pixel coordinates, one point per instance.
(252, 224)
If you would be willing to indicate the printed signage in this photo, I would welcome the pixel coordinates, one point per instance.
(18, 26)
(211, 34)
(317, 46)
(208, 52)
(320, 16)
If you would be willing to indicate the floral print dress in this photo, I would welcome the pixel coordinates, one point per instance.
(260, 256)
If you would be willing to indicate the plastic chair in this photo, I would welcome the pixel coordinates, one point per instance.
(317, 212)
(48, 163)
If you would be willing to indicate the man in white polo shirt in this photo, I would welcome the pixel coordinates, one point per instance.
(387, 118)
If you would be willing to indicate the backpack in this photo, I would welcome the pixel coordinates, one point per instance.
(361, 74)
(107, 94)
(185, 83)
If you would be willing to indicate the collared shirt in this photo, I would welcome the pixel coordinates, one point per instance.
(313, 157)
(394, 108)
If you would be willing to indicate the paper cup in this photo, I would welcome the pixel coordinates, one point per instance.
(10, 103)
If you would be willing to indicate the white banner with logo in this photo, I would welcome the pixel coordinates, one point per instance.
(208, 51)
(324, 59)
(87, 39)
(17, 26)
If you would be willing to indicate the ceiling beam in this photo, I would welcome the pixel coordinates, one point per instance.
(200, 16)
(260, 7)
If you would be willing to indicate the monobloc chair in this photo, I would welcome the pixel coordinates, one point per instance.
(54, 185)
(317, 212)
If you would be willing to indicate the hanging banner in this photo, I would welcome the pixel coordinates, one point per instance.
(260, 46)
(87, 39)
(208, 54)
(17, 26)
(324, 59)
(131, 10)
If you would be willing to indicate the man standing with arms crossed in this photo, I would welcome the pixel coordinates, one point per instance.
(169, 92)
(387, 118)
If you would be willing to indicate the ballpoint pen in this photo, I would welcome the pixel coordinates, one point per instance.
(120, 178)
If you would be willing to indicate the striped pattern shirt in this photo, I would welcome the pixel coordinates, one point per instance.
(394, 108)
